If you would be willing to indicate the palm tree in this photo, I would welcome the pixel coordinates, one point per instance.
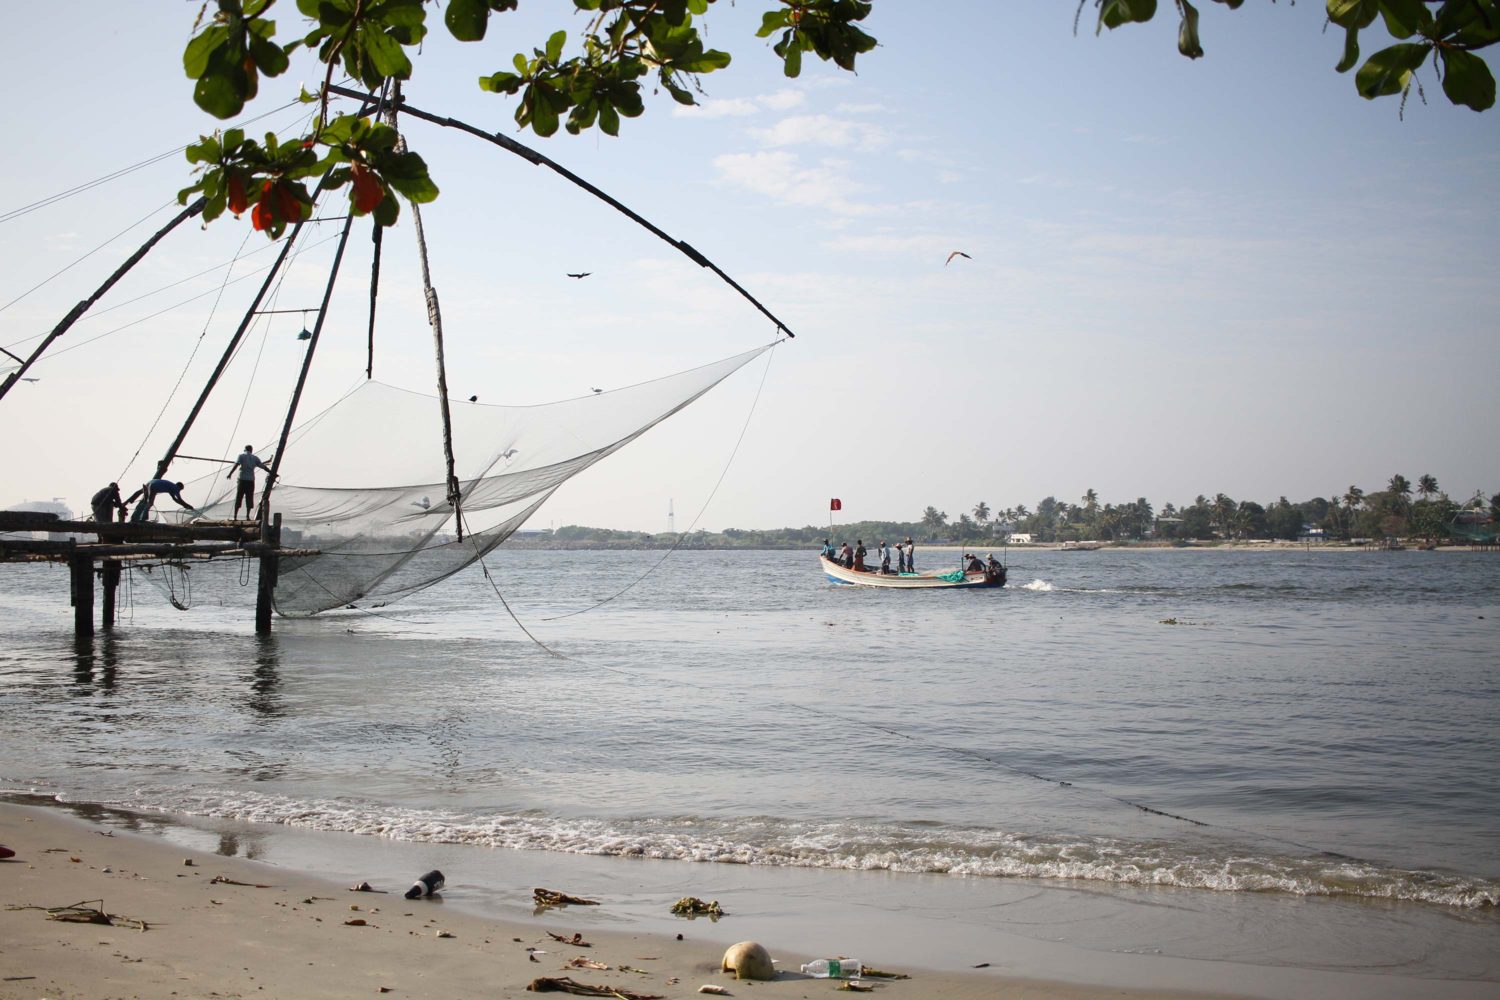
(1224, 509)
(1427, 485)
(933, 518)
(1090, 503)
(982, 512)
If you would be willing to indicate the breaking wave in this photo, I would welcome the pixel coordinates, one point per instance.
(771, 841)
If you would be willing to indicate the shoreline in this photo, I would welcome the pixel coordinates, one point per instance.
(289, 939)
(228, 926)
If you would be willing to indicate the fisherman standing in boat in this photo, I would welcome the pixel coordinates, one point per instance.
(106, 502)
(246, 463)
(829, 552)
(885, 559)
(859, 555)
(911, 556)
(149, 492)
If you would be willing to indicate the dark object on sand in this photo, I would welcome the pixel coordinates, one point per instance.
(576, 940)
(563, 984)
(551, 897)
(428, 885)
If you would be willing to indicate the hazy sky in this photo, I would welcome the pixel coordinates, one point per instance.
(1187, 277)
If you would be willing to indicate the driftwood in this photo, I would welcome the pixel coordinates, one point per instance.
(856, 988)
(226, 880)
(587, 963)
(82, 913)
(563, 984)
(576, 940)
(692, 906)
(551, 897)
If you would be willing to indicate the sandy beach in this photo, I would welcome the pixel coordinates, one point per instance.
(189, 924)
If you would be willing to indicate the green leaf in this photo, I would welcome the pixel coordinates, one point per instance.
(1404, 18)
(1187, 32)
(1389, 70)
(771, 22)
(609, 120)
(793, 60)
(555, 46)
(196, 56)
(1352, 13)
(386, 55)
(1351, 50)
(268, 56)
(706, 63)
(1467, 79)
(467, 19)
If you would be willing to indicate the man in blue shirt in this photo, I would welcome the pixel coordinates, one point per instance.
(150, 492)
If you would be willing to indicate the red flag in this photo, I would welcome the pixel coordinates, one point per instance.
(835, 504)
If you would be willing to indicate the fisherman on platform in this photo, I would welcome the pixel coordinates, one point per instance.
(106, 502)
(246, 463)
(149, 492)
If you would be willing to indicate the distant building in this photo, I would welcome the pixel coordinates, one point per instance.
(1311, 533)
(1021, 538)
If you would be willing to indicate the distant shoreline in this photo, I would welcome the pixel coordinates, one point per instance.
(990, 545)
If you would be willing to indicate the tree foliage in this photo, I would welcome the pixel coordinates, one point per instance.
(1448, 32)
(595, 81)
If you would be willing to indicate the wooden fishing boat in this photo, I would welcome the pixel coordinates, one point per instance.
(911, 581)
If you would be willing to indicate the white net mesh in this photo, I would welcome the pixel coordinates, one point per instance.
(379, 517)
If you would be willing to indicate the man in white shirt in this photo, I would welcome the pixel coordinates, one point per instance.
(246, 463)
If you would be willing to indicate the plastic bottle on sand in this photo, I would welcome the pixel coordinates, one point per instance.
(426, 885)
(833, 968)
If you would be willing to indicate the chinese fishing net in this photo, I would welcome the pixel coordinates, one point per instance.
(375, 510)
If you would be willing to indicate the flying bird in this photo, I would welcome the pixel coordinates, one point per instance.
(598, 390)
(956, 253)
(581, 274)
(473, 399)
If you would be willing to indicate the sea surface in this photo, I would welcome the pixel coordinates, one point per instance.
(1280, 723)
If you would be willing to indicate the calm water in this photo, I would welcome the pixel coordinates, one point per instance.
(1321, 724)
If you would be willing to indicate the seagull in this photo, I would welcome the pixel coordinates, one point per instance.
(956, 253)
(424, 503)
(473, 399)
(597, 390)
(583, 274)
(508, 453)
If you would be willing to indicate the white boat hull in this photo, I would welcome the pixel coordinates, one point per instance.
(930, 580)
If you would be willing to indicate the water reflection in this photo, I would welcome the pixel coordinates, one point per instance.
(265, 680)
(92, 653)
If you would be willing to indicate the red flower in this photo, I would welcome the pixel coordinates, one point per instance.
(238, 202)
(367, 189)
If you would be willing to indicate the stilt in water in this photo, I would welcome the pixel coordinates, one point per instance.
(109, 572)
(270, 540)
(81, 569)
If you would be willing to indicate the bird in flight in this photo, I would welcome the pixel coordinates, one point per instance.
(956, 253)
(473, 399)
(581, 274)
(597, 390)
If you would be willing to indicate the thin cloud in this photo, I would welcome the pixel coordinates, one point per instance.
(823, 130)
(742, 107)
(783, 177)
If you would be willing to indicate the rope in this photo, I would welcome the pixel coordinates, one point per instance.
(68, 267)
(161, 312)
(193, 354)
(682, 536)
(16, 213)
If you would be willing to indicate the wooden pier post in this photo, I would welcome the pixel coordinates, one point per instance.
(110, 575)
(81, 569)
(270, 540)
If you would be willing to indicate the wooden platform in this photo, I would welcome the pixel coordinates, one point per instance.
(102, 548)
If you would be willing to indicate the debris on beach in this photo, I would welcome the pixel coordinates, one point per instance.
(587, 963)
(853, 987)
(716, 990)
(365, 887)
(692, 906)
(427, 886)
(870, 973)
(188, 862)
(576, 940)
(551, 897)
(6, 852)
(748, 960)
(563, 984)
(82, 913)
(226, 880)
